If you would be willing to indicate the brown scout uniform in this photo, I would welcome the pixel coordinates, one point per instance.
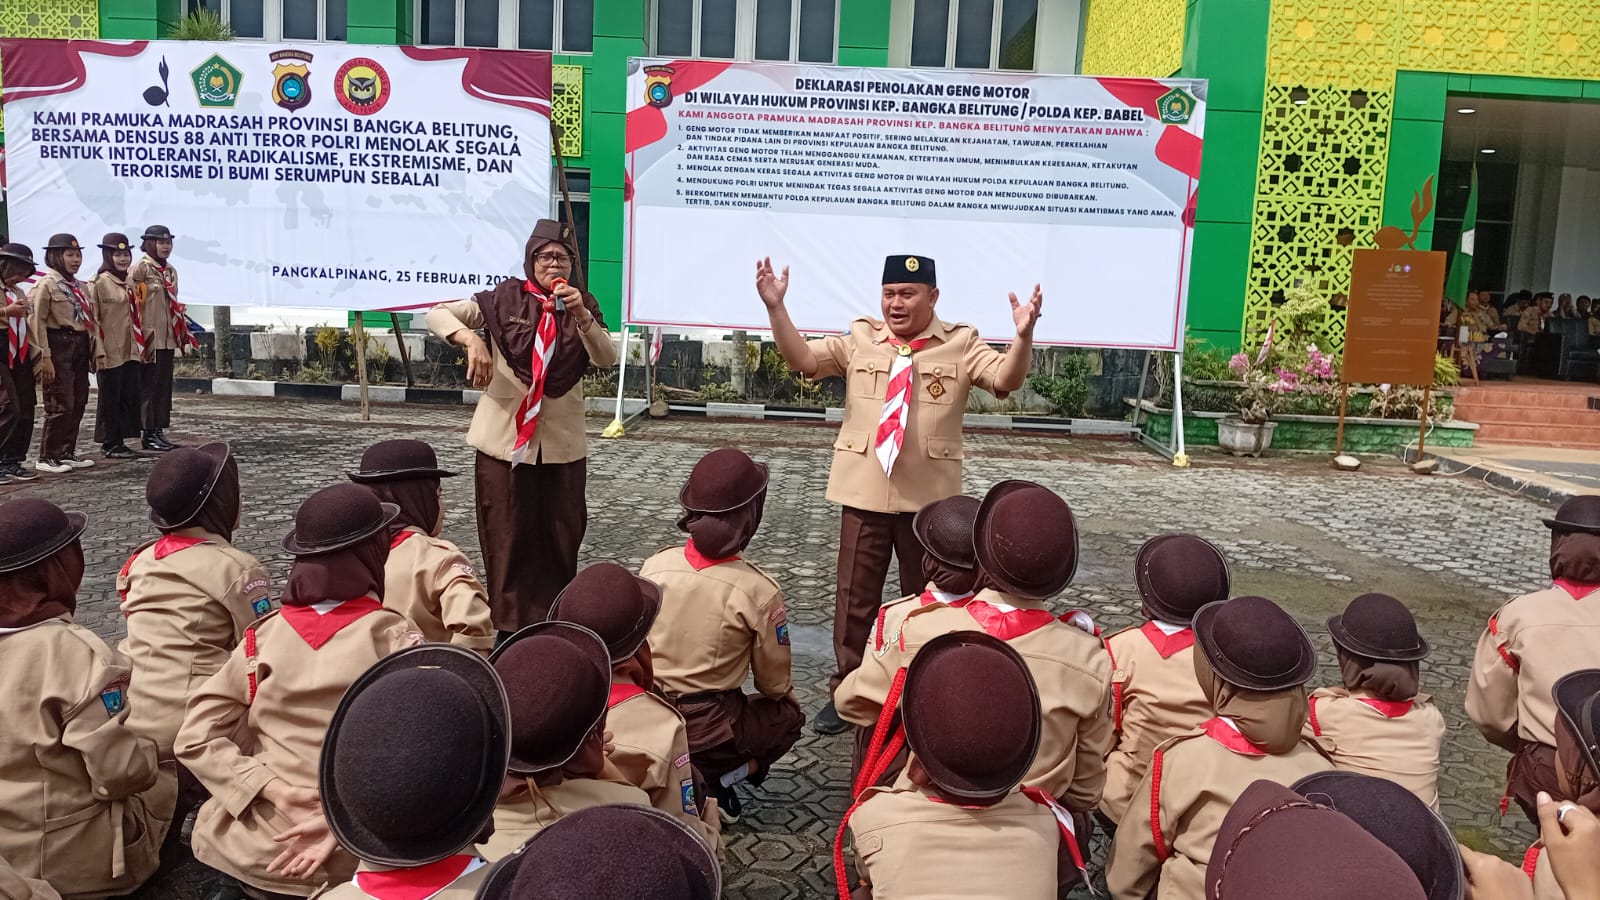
(1194, 786)
(19, 409)
(15, 887)
(518, 820)
(1071, 670)
(117, 378)
(1530, 643)
(161, 345)
(188, 598)
(83, 804)
(429, 581)
(651, 750)
(716, 625)
(284, 692)
(1154, 698)
(1395, 740)
(463, 888)
(71, 345)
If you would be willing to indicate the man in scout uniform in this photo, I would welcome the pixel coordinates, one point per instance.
(1253, 661)
(906, 382)
(154, 280)
(1530, 643)
(18, 395)
(1154, 695)
(427, 578)
(84, 804)
(558, 677)
(1399, 820)
(69, 344)
(957, 823)
(117, 414)
(649, 744)
(1377, 723)
(444, 711)
(613, 852)
(722, 619)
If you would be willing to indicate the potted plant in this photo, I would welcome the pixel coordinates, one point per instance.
(1250, 432)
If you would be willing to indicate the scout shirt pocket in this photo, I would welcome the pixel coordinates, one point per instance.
(869, 378)
(65, 837)
(852, 440)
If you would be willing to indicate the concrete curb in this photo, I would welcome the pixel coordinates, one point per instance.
(1492, 477)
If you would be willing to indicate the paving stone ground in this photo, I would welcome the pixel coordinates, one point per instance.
(1292, 529)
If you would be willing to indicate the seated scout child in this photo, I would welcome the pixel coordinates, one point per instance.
(557, 677)
(1577, 701)
(1154, 696)
(721, 619)
(1253, 662)
(609, 853)
(83, 804)
(957, 823)
(427, 579)
(1399, 820)
(254, 731)
(1377, 723)
(443, 711)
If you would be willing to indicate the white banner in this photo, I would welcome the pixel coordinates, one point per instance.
(315, 175)
(1083, 185)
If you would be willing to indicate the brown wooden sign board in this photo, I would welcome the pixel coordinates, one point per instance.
(1392, 322)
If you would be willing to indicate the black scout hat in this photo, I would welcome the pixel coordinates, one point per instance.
(614, 852)
(19, 252)
(157, 233)
(944, 529)
(1026, 539)
(1399, 820)
(337, 517)
(558, 678)
(1252, 643)
(114, 240)
(1179, 573)
(415, 756)
(547, 230)
(1577, 697)
(181, 481)
(399, 460)
(909, 270)
(614, 603)
(1580, 513)
(1275, 843)
(1378, 626)
(971, 712)
(32, 529)
(62, 242)
(722, 481)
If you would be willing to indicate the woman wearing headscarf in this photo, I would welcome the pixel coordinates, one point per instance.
(121, 346)
(18, 395)
(1531, 643)
(68, 340)
(166, 332)
(541, 334)
(84, 803)
(253, 732)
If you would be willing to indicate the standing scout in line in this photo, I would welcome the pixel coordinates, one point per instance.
(427, 579)
(531, 470)
(18, 396)
(907, 377)
(166, 333)
(69, 346)
(117, 415)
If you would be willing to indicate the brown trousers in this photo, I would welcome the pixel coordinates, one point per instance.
(531, 522)
(117, 416)
(65, 398)
(866, 540)
(1533, 769)
(728, 729)
(155, 390)
(25, 397)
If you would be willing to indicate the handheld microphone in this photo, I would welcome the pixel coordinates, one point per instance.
(556, 283)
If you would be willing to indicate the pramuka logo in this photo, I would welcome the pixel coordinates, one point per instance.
(362, 85)
(658, 86)
(291, 79)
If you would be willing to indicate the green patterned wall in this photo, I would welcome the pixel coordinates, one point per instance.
(49, 19)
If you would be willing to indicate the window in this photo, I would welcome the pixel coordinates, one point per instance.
(281, 20)
(974, 34)
(563, 26)
(778, 30)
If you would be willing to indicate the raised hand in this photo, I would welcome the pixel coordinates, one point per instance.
(771, 287)
(1026, 315)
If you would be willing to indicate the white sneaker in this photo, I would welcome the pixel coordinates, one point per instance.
(55, 467)
(71, 459)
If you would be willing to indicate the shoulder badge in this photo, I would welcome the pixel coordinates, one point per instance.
(783, 634)
(261, 606)
(115, 696)
(681, 761)
(686, 787)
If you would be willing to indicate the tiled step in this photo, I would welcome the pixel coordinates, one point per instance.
(1485, 414)
(1582, 436)
(1557, 399)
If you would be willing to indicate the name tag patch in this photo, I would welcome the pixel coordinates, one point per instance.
(681, 761)
(687, 788)
(783, 634)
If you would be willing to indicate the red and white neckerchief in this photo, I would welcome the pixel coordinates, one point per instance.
(701, 561)
(180, 324)
(544, 347)
(1391, 709)
(896, 404)
(1005, 621)
(1167, 638)
(401, 537)
(1577, 589)
(136, 316)
(1069, 831)
(1223, 730)
(417, 882)
(621, 692)
(81, 311)
(934, 595)
(17, 329)
(317, 623)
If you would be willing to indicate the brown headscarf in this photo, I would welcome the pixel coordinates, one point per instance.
(1270, 719)
(1386, 680)
(48, 589)
(340, 575)
(589, 762)
(107, 264)
(637, 669)
(418, 499)
(220, 513)
(1575, 555)
(511, 318)
(725, 534)
(944, 576)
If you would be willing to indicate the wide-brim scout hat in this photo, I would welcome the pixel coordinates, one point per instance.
(32, 529)
(612, 602)
(157, 233)
(182, 481)
(944, 529)
(416, 755)
(546, 231)
(612, 852)
(1250, 642)
(1026, 539)
(722, 481)
(1580, 513)
(114, 240)
(971, 711)
(1577, 697)
(1179, 573)
(558, 679)
(62, 241)
(1378, 626)
(1399, 820)
(399, 460)
(1275, 843)
(337, 517)
(19, 252)
(907, 269)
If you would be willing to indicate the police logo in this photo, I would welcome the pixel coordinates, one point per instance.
(362, 85)
(114, 698)
(216, 82)
(261, 607)
(291, 73)
(658, 86)
(913, 264)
